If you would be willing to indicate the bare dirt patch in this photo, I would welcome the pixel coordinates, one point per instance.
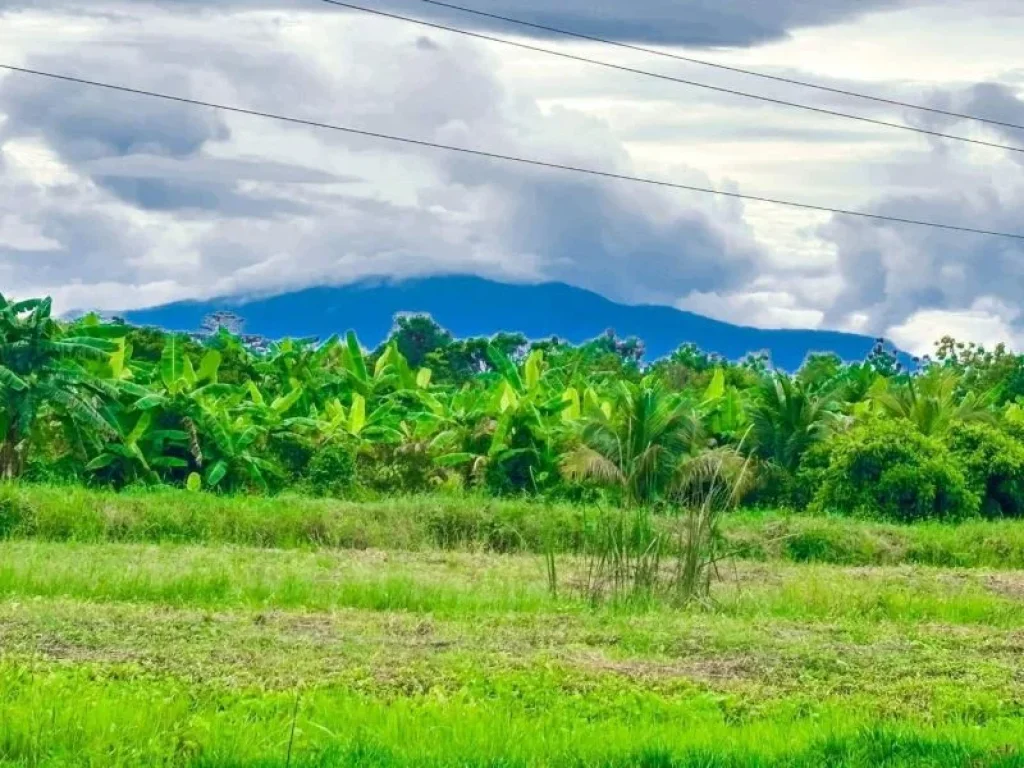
(719, 670)
(1009, 584)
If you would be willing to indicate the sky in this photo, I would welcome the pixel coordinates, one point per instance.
(113, 201)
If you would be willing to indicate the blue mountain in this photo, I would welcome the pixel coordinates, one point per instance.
(472, 306)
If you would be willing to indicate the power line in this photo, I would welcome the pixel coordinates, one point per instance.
(503, 157)
(670, 78)
(724, 67)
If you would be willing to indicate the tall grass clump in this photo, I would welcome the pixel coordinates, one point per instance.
(631, 555)
(623, 557)
(712, 485)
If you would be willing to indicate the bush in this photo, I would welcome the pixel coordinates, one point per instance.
(331, 471)
(993, 463)
(886, 469)
(775, 487)
(403, 468)
(293, 454)
(811, 475)
(772, 487)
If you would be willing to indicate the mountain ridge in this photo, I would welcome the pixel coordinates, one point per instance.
(474, 306)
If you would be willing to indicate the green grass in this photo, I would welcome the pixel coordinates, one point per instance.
(890, 669)
(164, 722)
(180, 630)
(454, 584)
(471, 524)
(86, 683)
(134, 684)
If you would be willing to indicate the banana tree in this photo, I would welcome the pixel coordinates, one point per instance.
(182, 398)
(508, 431)
(45, 368)
(142, 451)
(298, 365)
(473, 439)
(394, 370)
(235, 458)
(358, 421)
(723, 410)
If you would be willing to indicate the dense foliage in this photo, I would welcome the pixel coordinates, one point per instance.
(108, 404)
(883, 467)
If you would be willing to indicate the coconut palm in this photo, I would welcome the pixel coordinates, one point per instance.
(787, 417)
(932, 402)
(640, 445)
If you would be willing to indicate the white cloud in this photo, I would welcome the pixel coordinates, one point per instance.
(18, 234)
(988, 321)
(117, 202)
(760, 309)
(705, 23)
(142, 180)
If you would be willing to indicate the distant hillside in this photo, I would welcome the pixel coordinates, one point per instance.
(471, 306)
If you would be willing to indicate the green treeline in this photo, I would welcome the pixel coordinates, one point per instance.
(109, 405)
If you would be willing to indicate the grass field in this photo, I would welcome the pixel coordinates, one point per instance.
(180, 630)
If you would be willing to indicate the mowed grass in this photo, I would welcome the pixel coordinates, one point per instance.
(470, 523)
(174, 629)
(463, 584)
(122, 654)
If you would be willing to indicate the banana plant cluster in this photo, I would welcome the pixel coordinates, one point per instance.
(76, 393)
(177, 422)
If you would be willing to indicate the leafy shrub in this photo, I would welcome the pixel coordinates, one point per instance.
(774, 487)
(406, 467)
(883, 469)
(811, 475)
(293, 453)
(516, 475)
(66, 468)
(993, 463)
(455, 527)
(12, 514)
(331, 470)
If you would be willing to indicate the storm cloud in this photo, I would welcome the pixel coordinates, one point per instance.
(115, 201)
(324, 206)
(702, 23)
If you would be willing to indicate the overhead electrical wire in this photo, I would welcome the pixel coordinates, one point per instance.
(670, 78)
(503, 157)
(716, 65)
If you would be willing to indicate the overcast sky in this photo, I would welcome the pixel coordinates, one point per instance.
(113, 201)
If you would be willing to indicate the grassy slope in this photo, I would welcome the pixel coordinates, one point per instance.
(168, 655)
(421, 523)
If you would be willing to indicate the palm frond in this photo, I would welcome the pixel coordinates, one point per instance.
(584, 463)
(724, 471)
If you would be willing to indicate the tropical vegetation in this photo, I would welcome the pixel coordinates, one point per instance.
(102, 403)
